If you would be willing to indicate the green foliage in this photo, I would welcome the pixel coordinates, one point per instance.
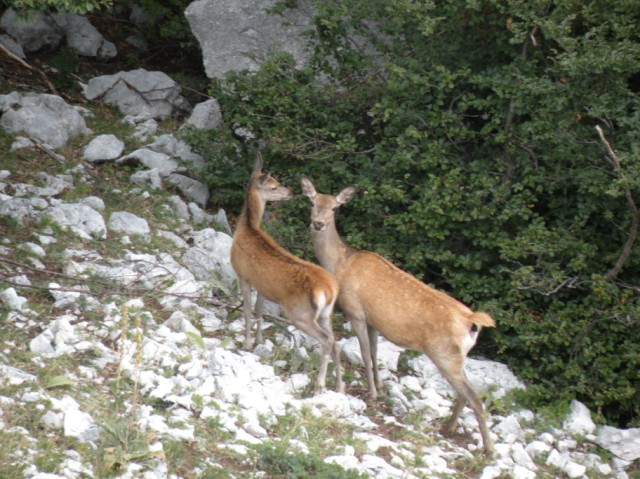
(168, 23)
(278, 461)
(65, 62)
(469, 128)
(67, 6)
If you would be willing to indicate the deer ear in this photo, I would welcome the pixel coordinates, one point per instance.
(346, 194)
(307, 187)
(257, 166)
(264, 178)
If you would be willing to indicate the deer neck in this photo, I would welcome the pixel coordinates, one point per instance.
(252, 211)
(330, 250)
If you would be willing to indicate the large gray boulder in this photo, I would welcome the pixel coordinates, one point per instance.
(48, 118)
(37, 31)
(83, 37)
(235, 34)
(138, 93)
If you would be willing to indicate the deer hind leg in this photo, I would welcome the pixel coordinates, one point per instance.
(452, 423)
(359, 325)
(454, 373)
(245, 289)
(259, 310)
(325, 323)
(307, 324)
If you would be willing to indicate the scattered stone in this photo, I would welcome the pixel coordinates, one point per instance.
(192, 189)
(579, 421)
(128, 223)
(103, 148)
(624, 443)
(205, 115)
(83, 37)
(11, 300)
(47, 118)
(80, 219)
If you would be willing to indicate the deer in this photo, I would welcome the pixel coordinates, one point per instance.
(306, 291)
(378, 297)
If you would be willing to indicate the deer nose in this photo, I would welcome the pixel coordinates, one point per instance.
(318, 225)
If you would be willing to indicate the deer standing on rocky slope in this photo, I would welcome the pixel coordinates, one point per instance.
(306, 292)
(376, 296)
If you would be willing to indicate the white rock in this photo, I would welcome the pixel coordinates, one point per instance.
(520, 472)
(521, 457)
(575, 470)
(128, 223)
(537, 449)
(53, 420)
(14, 376)
(103, 148)
(80, 425)
(12, 300)
(624, 443)
(565, 445)
(42, 344)
(380, 467)
(178, 322)
(556, 459)
(244, 436)
(491, 472)
(509, 430)
(34, 249)
(80, 219)
(94, 202)
(298, 382)
(388, 353)
(579, 420)
(205, 115)
(174, 238)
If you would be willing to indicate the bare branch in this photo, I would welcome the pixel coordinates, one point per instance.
(635, 219)
(46, 80)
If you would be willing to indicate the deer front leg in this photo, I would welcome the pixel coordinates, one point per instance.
(245, 288)
(259, 309)
(360, 329)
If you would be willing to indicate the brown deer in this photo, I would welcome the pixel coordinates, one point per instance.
(375, 295)
(306, 292)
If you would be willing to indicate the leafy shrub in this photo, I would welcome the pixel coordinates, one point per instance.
(69, 6)
(469, 128)
(278, 461)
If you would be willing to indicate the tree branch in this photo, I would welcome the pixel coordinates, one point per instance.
(635, 219)
(45, 79)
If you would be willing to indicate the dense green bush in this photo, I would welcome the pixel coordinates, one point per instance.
(469, 127)
(70, 6)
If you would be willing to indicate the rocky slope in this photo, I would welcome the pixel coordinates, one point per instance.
(120, 326)
(120, 349)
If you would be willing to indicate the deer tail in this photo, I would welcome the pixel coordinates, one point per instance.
(483, 320)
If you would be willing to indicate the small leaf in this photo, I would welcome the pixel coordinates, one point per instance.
(196, 339)
(59, 381)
